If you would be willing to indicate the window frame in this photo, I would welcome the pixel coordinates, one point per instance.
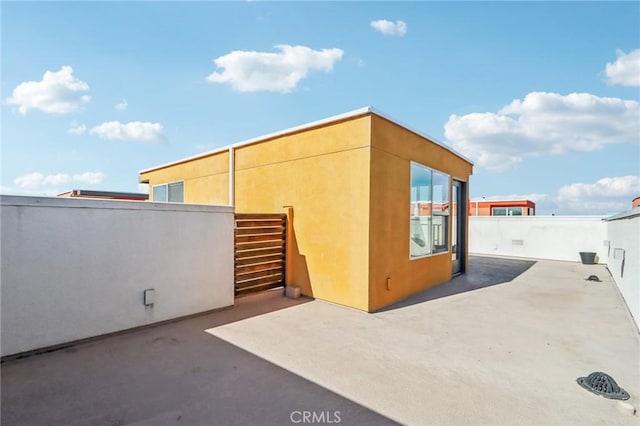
(493, 211)
(508, 211)
(446, 214)
(166, 185)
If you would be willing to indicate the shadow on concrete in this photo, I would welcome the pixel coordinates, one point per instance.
(175, 373)
(253, 304)
(482, 272)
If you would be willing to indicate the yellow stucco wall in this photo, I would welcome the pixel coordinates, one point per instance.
(349, 185)
(206, 179)
(324, 174)
(393, 149)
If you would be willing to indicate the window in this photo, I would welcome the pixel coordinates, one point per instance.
(429, 220)
(440, 212)
(506, 211)
(498, 211)
(169, 192)
(160, 193)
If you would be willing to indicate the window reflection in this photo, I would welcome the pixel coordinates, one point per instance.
(429, 219)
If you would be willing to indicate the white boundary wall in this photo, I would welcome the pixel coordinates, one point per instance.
(624, 255)
(76, 268)
(541, 237)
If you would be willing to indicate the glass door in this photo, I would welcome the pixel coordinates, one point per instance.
(458, 226)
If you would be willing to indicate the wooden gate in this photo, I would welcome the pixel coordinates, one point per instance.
(259, 252)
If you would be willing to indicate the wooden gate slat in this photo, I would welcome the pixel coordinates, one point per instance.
(257, 238)
(276, 278)
(261, 230)
(257, 274)
(258, 252)
(259, 257)
(258, 223)
(261, 216)
(253, 260)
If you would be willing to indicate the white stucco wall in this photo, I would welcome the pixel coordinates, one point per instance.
(73, 268)
(541, 237)
(624, 257)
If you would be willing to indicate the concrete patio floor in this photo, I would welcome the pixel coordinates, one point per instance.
(508, 352)
(172, 374)
(502, 344)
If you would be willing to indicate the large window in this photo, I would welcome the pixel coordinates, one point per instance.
(429, 225)
(169, 192)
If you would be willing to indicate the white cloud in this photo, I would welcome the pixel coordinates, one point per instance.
(76, 129)
(608, 187)
(91, 178)
(57, 179)
(625, 71)
(390, 28)
(58, 92)
(37, 180)
(249, 71)
(30, 180)
(543, 124)
(121, 106)
(48, 192)
(608, 195)
(134, 131)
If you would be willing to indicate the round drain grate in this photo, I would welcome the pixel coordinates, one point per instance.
(602, 384)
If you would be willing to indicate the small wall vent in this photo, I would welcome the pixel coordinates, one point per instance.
(517, 242)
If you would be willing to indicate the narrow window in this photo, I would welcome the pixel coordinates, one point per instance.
(515, 211)
(160, 193)
(440, 212)
(176, 192)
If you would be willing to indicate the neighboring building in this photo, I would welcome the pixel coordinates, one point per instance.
(109, 195)
(361, 187)
(502, 208)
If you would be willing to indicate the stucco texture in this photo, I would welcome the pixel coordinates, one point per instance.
(348, 183)
(393, 148)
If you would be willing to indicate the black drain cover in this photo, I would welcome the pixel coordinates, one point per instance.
(603, 384)
(593, 278)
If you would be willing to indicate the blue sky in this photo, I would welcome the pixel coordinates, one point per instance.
(543, 96)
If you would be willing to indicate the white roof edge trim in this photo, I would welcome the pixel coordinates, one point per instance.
(344, 116)
(423, 134)
(354, 113)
